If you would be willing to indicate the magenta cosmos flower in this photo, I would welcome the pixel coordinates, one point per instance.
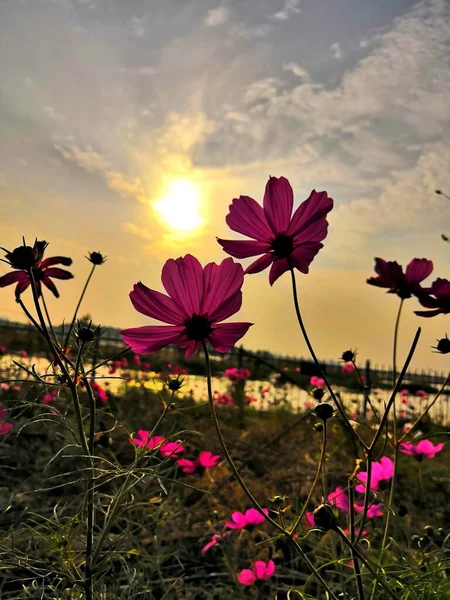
(421, 449)
(391, 276)
(381, 471)
(43, 270)
(198, 299)
(246, 520)
(260, 570)
(282, 238)
(216, 539)
(339, 498)
(437, 297)
(235, 374)
(205, 460)
(165, 448)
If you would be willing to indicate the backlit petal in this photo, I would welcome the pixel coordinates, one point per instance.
(247, 217)
(151, 337)
(183, 281)
(278, 203)
(156, 305)
(313, 209)
(243, 249)
(226, 335)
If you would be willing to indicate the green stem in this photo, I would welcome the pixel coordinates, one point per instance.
(78, 306)
(339, 407)
(245, 489)
(110, 519)
(394, 353)
(47, 314)
(315, 481)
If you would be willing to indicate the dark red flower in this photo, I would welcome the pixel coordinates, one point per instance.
(26, 258)
(405, 285)
(437, 297)
(282, 238)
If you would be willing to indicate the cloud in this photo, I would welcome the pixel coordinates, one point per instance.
(53, 114)
(336, 50)
(296, 70)
(240, 31)
(291, 7)
(218, 16)
(140, 232)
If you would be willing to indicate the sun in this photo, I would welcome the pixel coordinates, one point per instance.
(179, 208)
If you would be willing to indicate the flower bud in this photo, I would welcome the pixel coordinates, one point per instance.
(96, 258)
(318, 393)
(443, 345)
(429, 531)
(323, 411)
(348, 356)
(324, 517)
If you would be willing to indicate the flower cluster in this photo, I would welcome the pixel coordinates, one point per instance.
(259, 570)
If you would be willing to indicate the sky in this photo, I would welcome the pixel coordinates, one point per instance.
(129, 127)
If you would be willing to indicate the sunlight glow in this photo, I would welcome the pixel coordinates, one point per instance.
(179, 208)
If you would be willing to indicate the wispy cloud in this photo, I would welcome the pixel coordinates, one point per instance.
(291, 7)
(218, 16)
(336, 50)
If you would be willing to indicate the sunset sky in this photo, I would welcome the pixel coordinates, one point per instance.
(129, 126)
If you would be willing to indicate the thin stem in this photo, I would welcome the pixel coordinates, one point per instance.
(366, 498)
(394, 352)
(245, 489)
(315, 481)
(340, 408)
(395, 391)
(49, 321)
(78, 306)
(109, 520)
(426, 409)
(89, 582)
(356, 565)
(362, 558)
(391, 499)
(30, 316)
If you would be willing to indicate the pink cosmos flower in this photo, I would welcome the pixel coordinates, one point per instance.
(374, 511)
(43, 271)
(437, 297)
(249, 519)
(308, 521)
(49, 397)
(403, 392)
(224, 399)
(236, 374)
(421, 449)
(422, 394)
(381, 471)
(137, 360)
(205, 460)
(260, 570)
(2, 350)
(198, 299)
(348, 368)
(339, 498)
(169, 449)
(317, 382)
(391, 276)
(216, 538)
(280, 237)
(357, 530)
(165, 447)
(5, 427)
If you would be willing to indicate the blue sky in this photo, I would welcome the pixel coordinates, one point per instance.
(104, 101)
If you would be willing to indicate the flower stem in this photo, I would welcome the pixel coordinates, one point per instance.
(241, 482)
(47, 314)
(394, 352)
(340, 408)
(66, 341)
(315, 481)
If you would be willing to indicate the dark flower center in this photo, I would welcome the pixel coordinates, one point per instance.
(23, 257)
(283, 245)
(197, 328)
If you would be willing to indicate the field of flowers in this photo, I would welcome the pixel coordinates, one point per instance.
(120, 480)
